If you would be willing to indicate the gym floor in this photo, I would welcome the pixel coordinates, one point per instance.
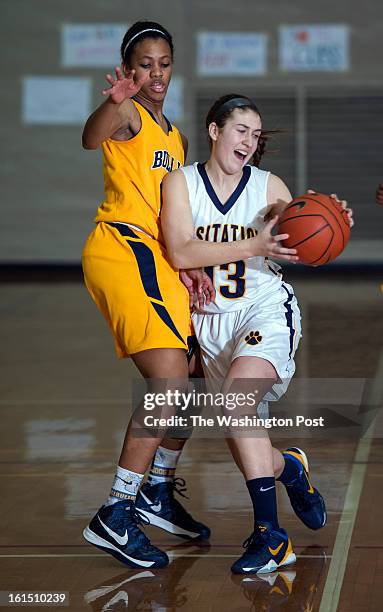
(65, 406)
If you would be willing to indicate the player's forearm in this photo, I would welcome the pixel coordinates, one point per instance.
(198, 253)
(101, 125)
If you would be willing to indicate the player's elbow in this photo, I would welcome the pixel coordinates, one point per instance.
(89, 147)
(183, 259)
(89, 143)
(175, 258)
(178, 257)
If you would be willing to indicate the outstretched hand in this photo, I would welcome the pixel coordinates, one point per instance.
(269, 245)
(123, 86)
(199, 285)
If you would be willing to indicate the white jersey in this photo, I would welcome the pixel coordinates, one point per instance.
(241, 283)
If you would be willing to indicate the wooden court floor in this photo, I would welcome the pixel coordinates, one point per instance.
(64, 406)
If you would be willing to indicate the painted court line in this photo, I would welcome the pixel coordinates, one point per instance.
(335, 576)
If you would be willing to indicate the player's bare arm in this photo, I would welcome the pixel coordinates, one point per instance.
(197, 282)
(278, 196)
(187, 252)
(117, 116)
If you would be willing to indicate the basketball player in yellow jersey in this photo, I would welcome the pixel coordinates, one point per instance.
(136, 288)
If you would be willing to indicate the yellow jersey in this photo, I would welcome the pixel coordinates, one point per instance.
(133, 171)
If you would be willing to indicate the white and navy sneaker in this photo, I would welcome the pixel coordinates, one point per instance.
(158, 504)
(306, 501)
(115, 530)
(267, 549)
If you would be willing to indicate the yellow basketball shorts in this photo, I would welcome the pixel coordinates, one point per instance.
(136, 288)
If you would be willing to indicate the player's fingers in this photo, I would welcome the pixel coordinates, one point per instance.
(290, 254)
(291, 258)
(271, 224)
(130, 76)
(119, 73)
(350, 213)
(206, 294)
(280, 237)
(200, 295)
(282, 251)
(311, 191)
(334, 195)
(209, 294)
(142, 80)
(348, 209)
(278, 249)
(110, 79)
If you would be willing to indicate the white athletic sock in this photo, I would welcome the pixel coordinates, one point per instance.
(163, 465)
(125, 486)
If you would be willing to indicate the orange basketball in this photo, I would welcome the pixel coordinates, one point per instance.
(318, 228)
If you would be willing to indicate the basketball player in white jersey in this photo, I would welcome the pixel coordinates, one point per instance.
(220, 215)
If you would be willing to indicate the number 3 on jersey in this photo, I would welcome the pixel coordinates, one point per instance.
(235, 277)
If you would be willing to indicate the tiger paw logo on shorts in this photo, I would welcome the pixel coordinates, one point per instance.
(253, 338)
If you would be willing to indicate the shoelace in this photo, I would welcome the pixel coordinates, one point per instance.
(179, 486)
(140, 519)
(257, 537)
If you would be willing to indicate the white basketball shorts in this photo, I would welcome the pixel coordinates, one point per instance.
(270, 329)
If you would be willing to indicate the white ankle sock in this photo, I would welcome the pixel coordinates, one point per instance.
(125, 486)
(163, 465)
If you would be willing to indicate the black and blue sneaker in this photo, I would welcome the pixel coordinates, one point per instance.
(158, 504)
(115, 530)
(266, 550)
(307, 503)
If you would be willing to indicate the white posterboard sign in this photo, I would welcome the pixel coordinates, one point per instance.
(56, 100)
(231, 53)
(173, 106)
(91, 45)
(314, 48)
